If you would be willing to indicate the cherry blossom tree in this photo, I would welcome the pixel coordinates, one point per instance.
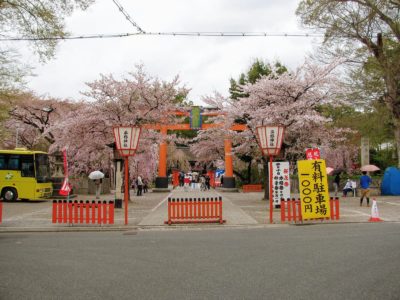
(33, 117)
(290, 99)
(136, 100)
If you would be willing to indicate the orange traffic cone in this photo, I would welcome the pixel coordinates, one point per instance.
(374, 212)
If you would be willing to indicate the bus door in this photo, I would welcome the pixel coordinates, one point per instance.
(25, 178)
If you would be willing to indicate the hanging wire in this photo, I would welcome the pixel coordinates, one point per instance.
(127, 16)
(185, 34)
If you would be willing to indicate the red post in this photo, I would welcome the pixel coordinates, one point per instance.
(182, 207)
(99, 217)
(81, 211)
(70, 209)
(65, 207)
(60, 211)
(105, 210)
(75, 207)
(87, 208)
(196, 208)
(54, 211)
(173, 207)
(190, 216)
(289, 210)
(209, 215)
(111, 212)
(331, 208)
(169, 210)
(212, 208)
(186, 208)
(283, 210)
(294, 209)
(220, 211)
(93, 208)
(271, 207)
(126, 191)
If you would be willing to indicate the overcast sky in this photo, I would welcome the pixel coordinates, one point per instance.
(204, 64)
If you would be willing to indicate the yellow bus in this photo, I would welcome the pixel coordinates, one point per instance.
(24, 174)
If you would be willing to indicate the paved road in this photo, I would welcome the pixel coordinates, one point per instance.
(342, 261)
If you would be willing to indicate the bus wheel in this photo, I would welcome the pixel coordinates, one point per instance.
(9, 194)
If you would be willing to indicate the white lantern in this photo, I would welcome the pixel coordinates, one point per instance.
(127, 139)
(270, 139)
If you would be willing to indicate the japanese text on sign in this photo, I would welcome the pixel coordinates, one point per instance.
(280, 181)
(272, 138)
(125, 140)
(314, 194)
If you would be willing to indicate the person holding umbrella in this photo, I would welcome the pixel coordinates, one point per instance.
(97, 177)
(365, 182)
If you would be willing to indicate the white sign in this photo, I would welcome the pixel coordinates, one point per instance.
(270, 139)
(280, 181)
(126, 139)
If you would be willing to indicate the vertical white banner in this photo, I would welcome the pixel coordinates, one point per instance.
(280, 181)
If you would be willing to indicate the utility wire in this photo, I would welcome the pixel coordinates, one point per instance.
(198, 34)
(127, 16)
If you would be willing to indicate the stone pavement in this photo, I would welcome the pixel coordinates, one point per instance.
(150, 211)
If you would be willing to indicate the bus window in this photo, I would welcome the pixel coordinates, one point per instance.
(13, 162)
(3, 162)
(27, 167)
(42, 168)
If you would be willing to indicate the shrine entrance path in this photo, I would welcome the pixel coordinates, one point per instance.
(232, 213)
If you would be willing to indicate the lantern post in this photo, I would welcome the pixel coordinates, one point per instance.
(270, 141)
(126, 141)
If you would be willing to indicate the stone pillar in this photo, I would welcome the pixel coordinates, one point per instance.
(364, 151)
(118, 182)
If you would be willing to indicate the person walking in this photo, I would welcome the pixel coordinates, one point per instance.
(365, 182)
(208, 182)
(98, 183)
(336, 183)
(145, 185)
(139, 185)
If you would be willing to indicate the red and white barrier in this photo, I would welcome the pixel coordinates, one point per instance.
(194, 210)
(291, 210)
(83, 213)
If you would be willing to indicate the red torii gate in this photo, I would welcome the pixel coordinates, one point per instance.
(162, 179)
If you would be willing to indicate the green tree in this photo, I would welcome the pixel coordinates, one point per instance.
(373, 121)
(255, 72)
(367, 32)
(39, 20)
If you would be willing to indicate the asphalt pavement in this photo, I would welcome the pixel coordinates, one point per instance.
(150, 211)
(344, 261)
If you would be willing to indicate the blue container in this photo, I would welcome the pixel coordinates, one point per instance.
(391, 182)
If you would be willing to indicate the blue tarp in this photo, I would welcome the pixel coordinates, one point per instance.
(391, 182)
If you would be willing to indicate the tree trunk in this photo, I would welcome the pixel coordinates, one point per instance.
(249, 173)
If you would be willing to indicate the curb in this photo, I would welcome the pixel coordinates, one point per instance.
(175, 227)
